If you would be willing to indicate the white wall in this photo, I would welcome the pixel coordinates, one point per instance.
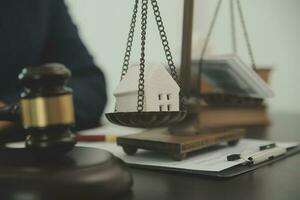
(274, 28)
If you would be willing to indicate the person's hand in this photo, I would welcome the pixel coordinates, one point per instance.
(4, 124)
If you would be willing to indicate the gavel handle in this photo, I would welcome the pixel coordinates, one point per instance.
(10, 113)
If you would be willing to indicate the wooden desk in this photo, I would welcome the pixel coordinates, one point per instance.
(278, 181)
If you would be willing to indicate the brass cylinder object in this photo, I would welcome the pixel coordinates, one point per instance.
(41, 112)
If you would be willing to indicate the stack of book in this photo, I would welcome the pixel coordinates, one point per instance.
(229, 75)
(210, 117)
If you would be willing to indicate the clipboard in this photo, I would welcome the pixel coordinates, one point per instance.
(227, 173)
(159, 162)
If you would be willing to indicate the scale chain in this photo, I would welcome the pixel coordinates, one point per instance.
(165, 43)
(209, 33)
(244, 28)
(207, 39)
(246, 35)
(130, 40)
(166, 46)
(164, 39)
(141, 86)
(233, 28)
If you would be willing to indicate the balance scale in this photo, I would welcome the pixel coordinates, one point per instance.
(178, 139)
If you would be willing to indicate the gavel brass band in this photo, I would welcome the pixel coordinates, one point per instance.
(41, 112)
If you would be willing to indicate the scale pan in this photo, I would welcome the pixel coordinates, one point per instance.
(146, 119)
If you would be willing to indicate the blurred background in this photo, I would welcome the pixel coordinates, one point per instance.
(273, 27)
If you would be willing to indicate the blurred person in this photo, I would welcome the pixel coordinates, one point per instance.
(34, 32)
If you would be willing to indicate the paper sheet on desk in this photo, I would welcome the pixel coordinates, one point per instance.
(213, 159)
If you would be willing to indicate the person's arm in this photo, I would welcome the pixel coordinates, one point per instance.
(64, 46)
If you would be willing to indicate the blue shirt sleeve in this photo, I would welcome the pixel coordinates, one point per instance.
(88, 83)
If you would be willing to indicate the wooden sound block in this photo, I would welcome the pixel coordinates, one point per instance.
(177, 146)
(84, 173)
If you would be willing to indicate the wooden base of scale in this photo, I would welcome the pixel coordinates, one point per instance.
(177, 146)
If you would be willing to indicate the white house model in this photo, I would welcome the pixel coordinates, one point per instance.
(161, 91)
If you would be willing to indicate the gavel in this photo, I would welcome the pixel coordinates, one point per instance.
(45, 110)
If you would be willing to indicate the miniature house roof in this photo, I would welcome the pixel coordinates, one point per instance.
(155, 76)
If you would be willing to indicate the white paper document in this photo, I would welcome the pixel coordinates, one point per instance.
(212, 159)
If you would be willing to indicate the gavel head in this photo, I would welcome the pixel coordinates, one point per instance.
(46, 107)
